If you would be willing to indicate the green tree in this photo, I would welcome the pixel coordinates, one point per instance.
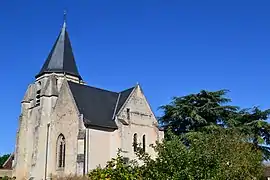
(209, 110)
(216, 155)
(253, 123)
(3, 159)
(219, 155)
(194, 111)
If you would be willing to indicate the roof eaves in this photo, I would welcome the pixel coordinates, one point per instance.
(97, 125)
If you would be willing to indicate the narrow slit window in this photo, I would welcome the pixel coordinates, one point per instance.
(128, 113)
(64, 154)
(135, 142)
(143, 139)
(60, 154)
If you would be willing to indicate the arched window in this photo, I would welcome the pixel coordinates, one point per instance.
(143, 140)
(61, 151)
(135, 143)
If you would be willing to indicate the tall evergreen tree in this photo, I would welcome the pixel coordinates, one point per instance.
(253, 123)
(194, 111)
(209, 110)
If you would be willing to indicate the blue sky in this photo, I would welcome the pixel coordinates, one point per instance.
(171, 47)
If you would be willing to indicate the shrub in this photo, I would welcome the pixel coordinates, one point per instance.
(216, 155)
(117, 169)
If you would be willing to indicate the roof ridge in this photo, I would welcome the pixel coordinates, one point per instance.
(93, 87)
(127, 89)
(98, 88)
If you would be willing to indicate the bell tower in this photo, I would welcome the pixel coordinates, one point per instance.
(37, 106)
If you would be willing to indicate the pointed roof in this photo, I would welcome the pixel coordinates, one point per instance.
(61, 58)
(98, 106)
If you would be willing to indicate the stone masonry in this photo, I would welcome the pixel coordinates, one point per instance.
(60, 133)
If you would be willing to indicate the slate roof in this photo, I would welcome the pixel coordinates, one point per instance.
(61, 58)
(98, 106)
(123, 97)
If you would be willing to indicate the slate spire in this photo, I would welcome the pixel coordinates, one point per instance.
(61, 58)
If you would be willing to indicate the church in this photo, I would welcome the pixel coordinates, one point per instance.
(67, 127)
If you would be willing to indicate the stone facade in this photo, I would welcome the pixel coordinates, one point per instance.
(52, 138)
(5, 173)
(141, 121)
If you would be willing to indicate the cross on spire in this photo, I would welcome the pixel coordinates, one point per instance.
(65, 18)
(61, 58)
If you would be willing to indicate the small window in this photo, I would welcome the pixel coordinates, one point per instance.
(128, 113)
(61, 151)
(125, 160)
(135, 142)
(39, 85)
(143, 140)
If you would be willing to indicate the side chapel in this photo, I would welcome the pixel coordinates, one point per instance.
(67, 127)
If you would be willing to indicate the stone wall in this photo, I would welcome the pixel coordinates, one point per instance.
(65, 120)
(136, 117)
(5, 172)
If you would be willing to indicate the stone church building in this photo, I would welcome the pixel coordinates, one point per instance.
(67, 127)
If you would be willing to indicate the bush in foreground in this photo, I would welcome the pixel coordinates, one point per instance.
(220, 154)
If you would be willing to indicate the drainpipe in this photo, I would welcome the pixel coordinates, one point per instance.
(84, 154)
(87, 149)
(46, 153)
(84, 147)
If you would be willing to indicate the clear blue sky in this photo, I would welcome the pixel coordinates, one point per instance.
(171, 47)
